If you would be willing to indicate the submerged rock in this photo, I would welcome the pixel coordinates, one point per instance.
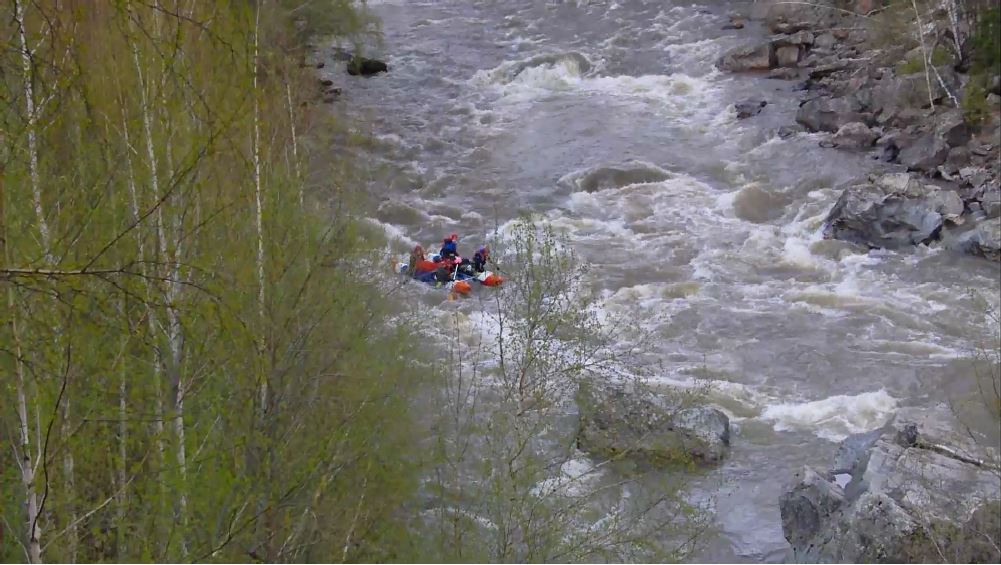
(910, 492)
(366, 67)
(749, 108)
(613, 176)
(892, 211)
(640, 424)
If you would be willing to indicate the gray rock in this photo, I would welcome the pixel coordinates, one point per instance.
(808, 505)
(796, 39)
(784, 73)
(924, 154)
(892, 211)
(918, 492)
(991, 202)
(952, 128)
(759, 57)
(735, 23)
(824, 40)
(892, 95)
(855, 135)
(656, 428)
(985, 239)
(787, 56)
(363, 66)
(785, 132)
(829, 114)
(995, 85)
(749, 108)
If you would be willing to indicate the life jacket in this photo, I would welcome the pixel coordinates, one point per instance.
(425, 266)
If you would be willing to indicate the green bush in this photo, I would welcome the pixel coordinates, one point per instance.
(987, 44)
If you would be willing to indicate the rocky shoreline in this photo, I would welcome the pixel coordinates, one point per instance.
(913, 491)
(876, 100)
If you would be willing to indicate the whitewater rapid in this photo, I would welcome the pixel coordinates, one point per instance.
(609, 120)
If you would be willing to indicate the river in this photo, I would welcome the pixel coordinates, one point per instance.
(494, 108)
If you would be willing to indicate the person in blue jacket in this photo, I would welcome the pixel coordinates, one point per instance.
(450, 247)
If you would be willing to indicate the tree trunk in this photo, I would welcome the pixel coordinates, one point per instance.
(29, 102)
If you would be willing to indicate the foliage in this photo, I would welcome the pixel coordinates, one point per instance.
(987, 43)
(508, 481)
(976, 109)
(180, 380)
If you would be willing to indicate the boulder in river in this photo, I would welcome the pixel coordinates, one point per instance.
(984, 240)
(749, 108)
(829, 114)
(855, 135)
(909, 492)
(892, 211)
(603, 177)
(759, 57)
(366, 67)
(630, 421)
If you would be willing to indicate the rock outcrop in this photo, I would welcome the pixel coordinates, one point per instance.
(892, 211)
(911, 491)
(829, 114)
(855, 135)
(629, 421)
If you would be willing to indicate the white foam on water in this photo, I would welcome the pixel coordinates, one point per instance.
(393, 233)
(573, 479)
(835, 417)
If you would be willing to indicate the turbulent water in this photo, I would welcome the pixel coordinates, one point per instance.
(609, 119)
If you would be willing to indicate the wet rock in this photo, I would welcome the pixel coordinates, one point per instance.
(913, 492)
(781, 26)
(341, 54)
(985, 239)
(749, 108)
(603, 177)
(924, 154)
(366, 67)
(629, 421)
(855, 135)
(786, 132)
(759, 57)
(735, 23)
(828, 114)
(892, 211)
(784, 74)
(793, 39)
(826, 69)
(787, 56)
